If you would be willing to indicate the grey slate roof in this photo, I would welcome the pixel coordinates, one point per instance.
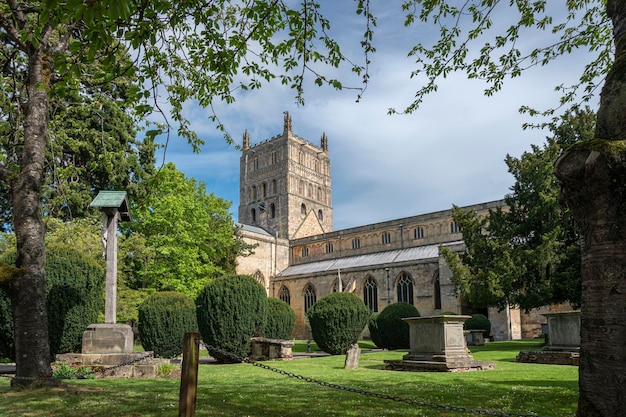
(378, 258)
(254, 229)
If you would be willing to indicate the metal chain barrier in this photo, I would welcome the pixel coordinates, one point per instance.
(102, 370)
(410, 401)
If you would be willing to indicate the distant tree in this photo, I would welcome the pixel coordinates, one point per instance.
(528, 254)
(181, 237)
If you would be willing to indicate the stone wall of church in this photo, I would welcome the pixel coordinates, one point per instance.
(423, 275)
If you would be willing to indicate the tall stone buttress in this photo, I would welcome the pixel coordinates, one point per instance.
(285, 185)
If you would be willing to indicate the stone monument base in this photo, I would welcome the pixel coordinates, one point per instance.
(438, 363)
(108, 338)
(549, 357)
(117, 365)
(264, 349)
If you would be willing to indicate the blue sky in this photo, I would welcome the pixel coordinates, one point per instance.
(450, 151)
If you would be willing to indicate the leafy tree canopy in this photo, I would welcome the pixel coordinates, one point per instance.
(181, 237)
(527, 254)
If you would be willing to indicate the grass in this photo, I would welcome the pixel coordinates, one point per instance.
(246, 390)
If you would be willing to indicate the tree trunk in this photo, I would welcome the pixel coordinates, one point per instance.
(593, 176)
(28, 292)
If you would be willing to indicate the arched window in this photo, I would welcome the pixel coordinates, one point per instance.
(386, 238)
(309, 297)
(320, 215)
(404, 288)
(454, 228)
(258, 275)
(264, 190)
(253, 192)
(303, 208)
(418, 232)
(301, 187)
(273, 157)
(253, 212)
(284, 295)
(272, 211)
(437, 291)
(356, 243)
(305, 251)
(273, 187)
(370, 294)
(319, 194)
(255, 163)
(330, 248)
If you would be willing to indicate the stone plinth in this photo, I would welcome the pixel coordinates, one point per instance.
(108, 338)
(563, 331)
(264, 349)
(438, 344)
(474, 337)
(117, 365)
(563, 341)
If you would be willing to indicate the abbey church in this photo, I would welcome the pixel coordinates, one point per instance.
(286, 210)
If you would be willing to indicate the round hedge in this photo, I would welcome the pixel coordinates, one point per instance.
(337, 320)
(372, 326)
(478, 322)
(230, 311)
(74, 298)
(393, 332)
(280, 319)
(164, 318)
(7, 344)
(75, 284)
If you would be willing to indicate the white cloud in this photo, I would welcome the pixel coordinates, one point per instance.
(450, 151)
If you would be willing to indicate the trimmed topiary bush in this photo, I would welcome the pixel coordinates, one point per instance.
(7, 345)
(164, 318)
(372, 326)
(337, 320)
(280, 319)
(230, 311)
(478, 322)
(75, 283)
(392, 330)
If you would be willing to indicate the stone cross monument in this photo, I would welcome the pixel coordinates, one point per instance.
(110, 337)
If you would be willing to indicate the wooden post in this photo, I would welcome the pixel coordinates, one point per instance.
(189, 376)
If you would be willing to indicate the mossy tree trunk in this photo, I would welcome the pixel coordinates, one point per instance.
(593, 176)
(28, 291)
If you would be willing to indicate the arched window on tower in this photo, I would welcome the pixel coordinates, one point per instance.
(264, 190)
(303, 208)
(274, 190)
(253, 213)
(404, 288)
(370, 294)
(309, 297)
(284, 295)
(253, 192)
(272, 211)
(320, 215)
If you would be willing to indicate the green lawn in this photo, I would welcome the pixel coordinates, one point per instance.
(247, 390)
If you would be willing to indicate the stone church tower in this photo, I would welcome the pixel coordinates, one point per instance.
(285, 185)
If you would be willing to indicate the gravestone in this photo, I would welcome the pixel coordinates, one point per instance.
(352, 357)
(265, 349)
(438, 344)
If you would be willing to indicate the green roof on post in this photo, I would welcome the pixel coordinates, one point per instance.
(113, 199)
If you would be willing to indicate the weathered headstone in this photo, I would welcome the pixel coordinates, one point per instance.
(352, 357)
